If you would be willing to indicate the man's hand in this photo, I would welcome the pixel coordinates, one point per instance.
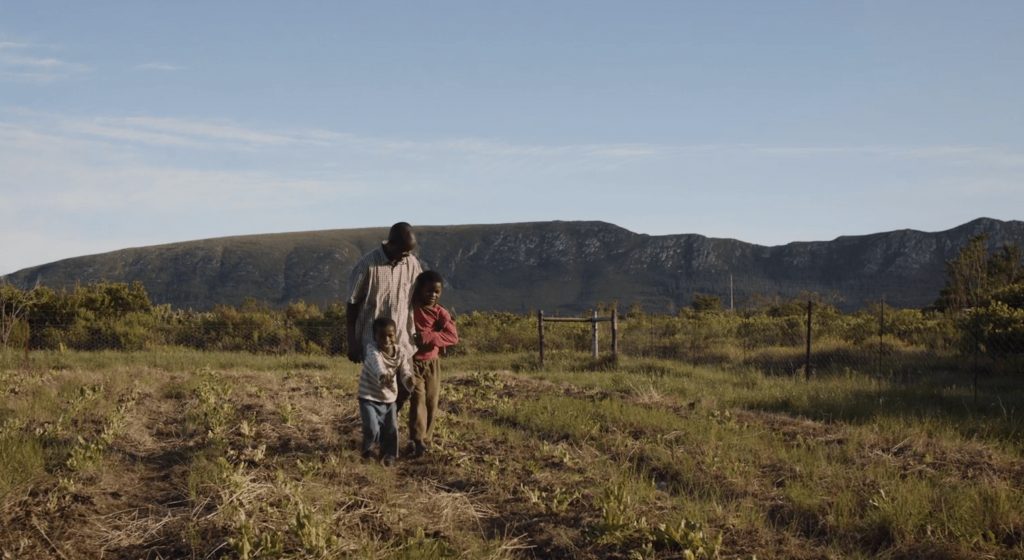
(355, 352)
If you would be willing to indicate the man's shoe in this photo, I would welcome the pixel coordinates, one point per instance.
(388, 461)
(365, 454)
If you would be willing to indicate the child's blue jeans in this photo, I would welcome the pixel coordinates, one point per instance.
(380, 425)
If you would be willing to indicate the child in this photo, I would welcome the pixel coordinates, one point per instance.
(434, 330)
(383, 365)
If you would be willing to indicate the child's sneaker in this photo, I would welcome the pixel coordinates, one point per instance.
(388, 461)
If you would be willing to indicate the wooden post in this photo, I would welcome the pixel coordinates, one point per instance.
(593, 335)
(977, 345)
(540, 335)
(615, 334)
(731, 308)
(807, 367)
(26, 329)
(881, 329)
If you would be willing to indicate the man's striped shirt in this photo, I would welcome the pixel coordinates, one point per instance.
(382, 289)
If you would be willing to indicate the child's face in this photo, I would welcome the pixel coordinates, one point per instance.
(430, 294)
(385, 339)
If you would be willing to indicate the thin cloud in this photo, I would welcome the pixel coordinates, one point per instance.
(158, 66)
(194, 133)
(84, 182)
(153, 131)
(20, 67)
(948, 154)
(202, 129)
(128, 134)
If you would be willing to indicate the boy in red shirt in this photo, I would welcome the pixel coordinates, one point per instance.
(434, 330)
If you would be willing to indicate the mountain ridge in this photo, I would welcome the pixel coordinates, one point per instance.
(565, 266)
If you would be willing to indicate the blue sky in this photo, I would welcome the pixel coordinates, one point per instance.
(139, 123)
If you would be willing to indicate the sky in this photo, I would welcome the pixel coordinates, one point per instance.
(127, 124)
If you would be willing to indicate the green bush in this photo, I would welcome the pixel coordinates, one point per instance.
(997, 329)
(773, 331)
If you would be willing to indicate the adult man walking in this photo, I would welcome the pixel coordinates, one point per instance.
(380, 285)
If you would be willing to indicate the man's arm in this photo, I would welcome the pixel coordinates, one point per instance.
(355, 349)
(358, 288)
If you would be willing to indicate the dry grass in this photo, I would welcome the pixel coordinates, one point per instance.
(236, 462)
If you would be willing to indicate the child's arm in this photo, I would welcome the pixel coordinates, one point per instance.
(371, 378)
(385, 374)
(443, 333)
(372, 363)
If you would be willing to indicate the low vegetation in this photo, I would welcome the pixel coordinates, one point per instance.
(980, 313)
(176, 453)
(129, 430)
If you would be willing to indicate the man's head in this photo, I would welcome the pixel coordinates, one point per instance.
(401, 242)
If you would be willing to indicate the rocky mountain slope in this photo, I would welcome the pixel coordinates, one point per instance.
(555, 266)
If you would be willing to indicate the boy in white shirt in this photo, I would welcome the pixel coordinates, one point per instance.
(384, 365)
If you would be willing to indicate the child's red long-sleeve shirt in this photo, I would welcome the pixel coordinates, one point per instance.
(436, 328)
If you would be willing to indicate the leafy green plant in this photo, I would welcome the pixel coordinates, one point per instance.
(555, 502)
(618, 521)
(307, 468)
(313, 531)
(287, 412)
(85, 454)
(689, 538)
(211, 413)
(560, 499)
(249, 543)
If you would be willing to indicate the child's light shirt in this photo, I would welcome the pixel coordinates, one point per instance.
(379, 378)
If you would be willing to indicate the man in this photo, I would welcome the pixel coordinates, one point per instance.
(380, 285)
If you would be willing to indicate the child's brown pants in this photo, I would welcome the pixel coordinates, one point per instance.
(423, 400)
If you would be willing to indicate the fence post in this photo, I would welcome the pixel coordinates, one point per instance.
(615, 334)
(977, 345)
(881, 330)
(26, 329)
(593, 334)
(540, 335)
(807, 366)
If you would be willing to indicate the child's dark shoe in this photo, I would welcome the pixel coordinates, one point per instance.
(365, 455)
(419, 451)
(388, 461)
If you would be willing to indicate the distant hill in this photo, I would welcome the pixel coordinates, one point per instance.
(555, 266)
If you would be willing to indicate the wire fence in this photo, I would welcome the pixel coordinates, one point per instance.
(888, 343)
(803, 339)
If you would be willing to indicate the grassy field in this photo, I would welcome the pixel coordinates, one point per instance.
(179, 454)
